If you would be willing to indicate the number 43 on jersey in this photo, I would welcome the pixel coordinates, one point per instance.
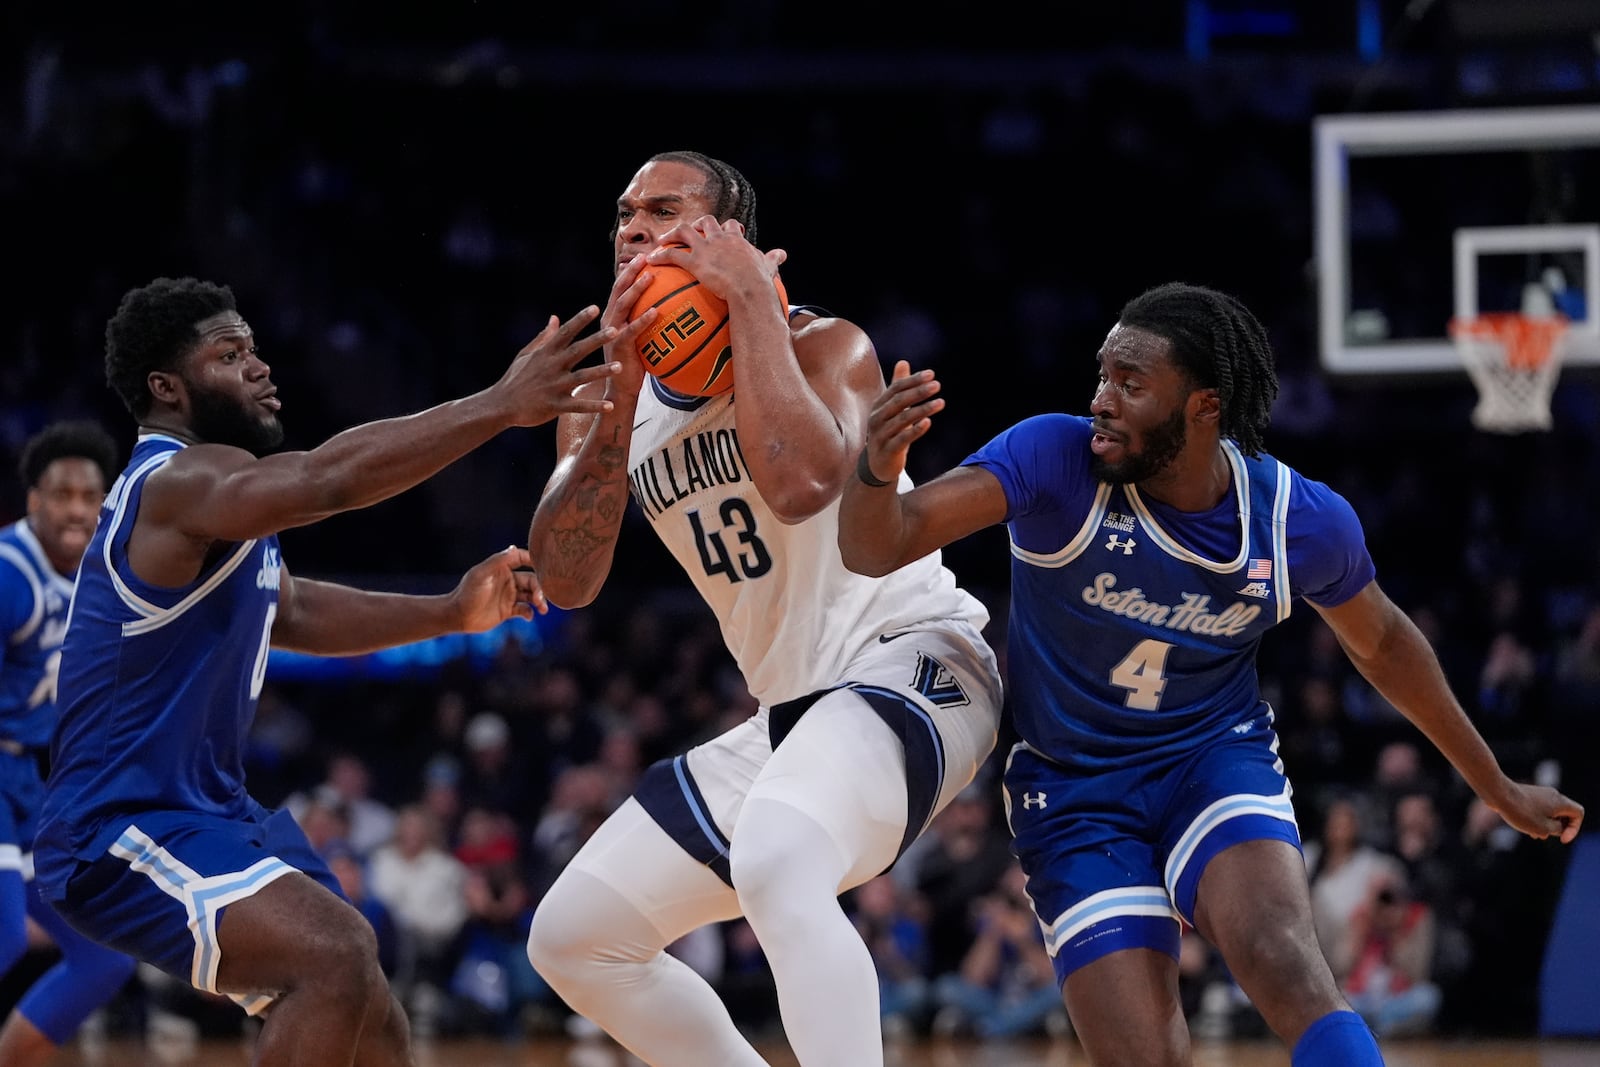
(748, 557)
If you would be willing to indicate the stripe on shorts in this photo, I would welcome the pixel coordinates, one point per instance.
(1146, 900)
(669, 794)
(1234, 807)
(202, 898)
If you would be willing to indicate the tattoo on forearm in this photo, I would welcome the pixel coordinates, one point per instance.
(592, 507)
(573, 547)
(612, 458)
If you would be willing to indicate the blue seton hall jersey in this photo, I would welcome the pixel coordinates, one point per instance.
(1134, 626)
(158, 686)
(33, 617)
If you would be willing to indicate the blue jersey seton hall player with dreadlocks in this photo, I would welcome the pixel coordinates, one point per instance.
(66, 468)
(1153, 543)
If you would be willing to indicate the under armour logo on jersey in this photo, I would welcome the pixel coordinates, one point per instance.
(1033, 800)
(1112, 544)
(936, 682)
(1255, 589)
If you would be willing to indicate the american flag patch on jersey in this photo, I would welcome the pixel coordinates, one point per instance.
(1259, 568)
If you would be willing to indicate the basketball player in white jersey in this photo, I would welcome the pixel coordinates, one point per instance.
(878, 697)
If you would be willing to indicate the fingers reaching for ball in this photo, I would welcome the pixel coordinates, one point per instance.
(903, 410)
(631, 281)
(902, 413)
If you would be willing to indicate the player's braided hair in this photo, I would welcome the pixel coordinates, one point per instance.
(70, 439)
(1220, 345)
(731, 192)
(154, 327)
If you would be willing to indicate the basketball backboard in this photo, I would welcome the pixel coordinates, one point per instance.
(1425, 216)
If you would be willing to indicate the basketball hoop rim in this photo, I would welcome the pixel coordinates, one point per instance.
(1513, 359)
(1530, 342)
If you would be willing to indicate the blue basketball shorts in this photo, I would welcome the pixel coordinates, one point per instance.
(160, 891)
(1114, 857)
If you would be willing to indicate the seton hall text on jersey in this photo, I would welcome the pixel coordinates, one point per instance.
(271, 566)
(707, 459)
(1193, 615)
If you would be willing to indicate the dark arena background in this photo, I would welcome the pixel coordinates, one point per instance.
(400, 200)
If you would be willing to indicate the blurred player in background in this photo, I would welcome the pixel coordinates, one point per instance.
(66, 468)
(1153, 544)
(147, 840)
(878, 698)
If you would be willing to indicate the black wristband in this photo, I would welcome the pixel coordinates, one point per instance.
(864, 472)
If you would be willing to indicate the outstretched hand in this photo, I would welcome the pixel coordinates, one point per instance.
(1541, 812)
(901, 414)
(719, 255)
(503, 586)
(540, 383)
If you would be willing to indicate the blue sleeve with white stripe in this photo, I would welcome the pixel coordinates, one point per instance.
(1328, 558)
(1043, 466)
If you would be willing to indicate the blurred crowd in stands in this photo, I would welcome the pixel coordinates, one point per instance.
(397, 222)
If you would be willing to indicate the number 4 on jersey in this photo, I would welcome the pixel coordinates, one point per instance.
(1142, 673)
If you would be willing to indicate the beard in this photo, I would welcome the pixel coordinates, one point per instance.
(1161, 446)
(218, 419)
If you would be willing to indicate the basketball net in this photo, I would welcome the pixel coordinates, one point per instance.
(1513, 359)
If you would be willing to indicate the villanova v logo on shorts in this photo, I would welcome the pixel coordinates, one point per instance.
(935, 682)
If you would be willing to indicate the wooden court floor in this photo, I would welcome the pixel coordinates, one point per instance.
(1060, 1053)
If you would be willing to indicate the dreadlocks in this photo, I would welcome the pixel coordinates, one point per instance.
(730, 191)
(1219, 345)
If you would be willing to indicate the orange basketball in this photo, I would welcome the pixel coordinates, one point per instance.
(688, 349)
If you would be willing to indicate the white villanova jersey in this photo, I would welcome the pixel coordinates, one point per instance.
(793, 616)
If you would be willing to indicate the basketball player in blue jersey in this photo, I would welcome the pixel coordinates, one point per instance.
(148, 842)
(66, 468)
(878, 697)
(1153, 544)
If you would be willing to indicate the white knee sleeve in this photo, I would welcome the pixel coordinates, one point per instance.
(598, 938)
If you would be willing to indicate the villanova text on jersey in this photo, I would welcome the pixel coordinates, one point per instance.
(771, 585)
(670, 474)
